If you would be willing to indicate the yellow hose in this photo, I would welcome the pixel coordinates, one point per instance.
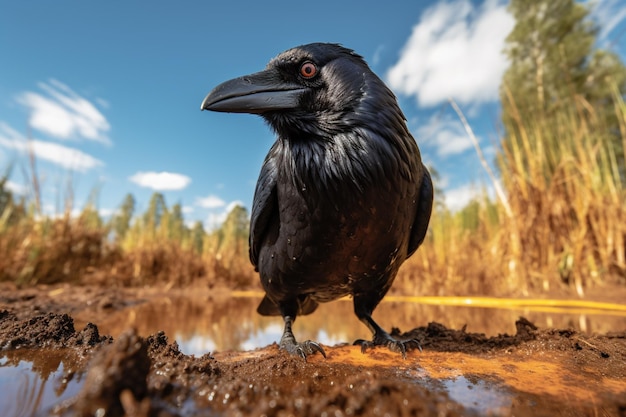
(560, 306)
(508, 302)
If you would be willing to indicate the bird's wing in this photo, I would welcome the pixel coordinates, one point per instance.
(264, 207)
(422, 214)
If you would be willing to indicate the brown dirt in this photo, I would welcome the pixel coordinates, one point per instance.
(534, 372)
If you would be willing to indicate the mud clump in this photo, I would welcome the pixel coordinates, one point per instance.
(276, 384)
(438, 337)
(136, 376)
(117, 371)
(46, 331)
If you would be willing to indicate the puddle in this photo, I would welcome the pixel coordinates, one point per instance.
(33, 381)
(509, 386)
(201, 325)
(479, 396)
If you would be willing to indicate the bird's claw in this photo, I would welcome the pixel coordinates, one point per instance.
(303, 349)
(392, 344)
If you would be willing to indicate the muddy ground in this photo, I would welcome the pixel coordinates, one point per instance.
(534, 372)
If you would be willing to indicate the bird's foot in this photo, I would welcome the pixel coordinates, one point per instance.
(302, 349)
(394, 345)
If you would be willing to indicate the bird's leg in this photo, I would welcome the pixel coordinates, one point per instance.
(381, 337)
(288, 342)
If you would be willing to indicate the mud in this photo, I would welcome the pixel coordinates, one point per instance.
(532, 372)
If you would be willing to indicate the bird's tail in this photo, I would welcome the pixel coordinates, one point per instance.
(269, 308)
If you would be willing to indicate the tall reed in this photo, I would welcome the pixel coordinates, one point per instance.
(560, 225)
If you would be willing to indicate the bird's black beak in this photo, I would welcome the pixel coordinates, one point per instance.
(255, 93)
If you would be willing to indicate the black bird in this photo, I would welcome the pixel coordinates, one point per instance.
(342, 198)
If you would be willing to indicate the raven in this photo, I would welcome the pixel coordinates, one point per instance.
(342, 198)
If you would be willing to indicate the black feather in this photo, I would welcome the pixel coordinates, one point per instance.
(343, 197)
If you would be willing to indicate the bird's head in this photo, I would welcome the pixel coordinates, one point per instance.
(318, 89)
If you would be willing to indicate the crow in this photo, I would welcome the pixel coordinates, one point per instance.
(342, 198)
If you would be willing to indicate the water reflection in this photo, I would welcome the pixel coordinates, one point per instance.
(479, 395)
(203, 324)
(32, 381)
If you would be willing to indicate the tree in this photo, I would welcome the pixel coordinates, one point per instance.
(554, 69)
(235, 230)
(197, 237)
(156, 209)
(90, 217)
(121, 220)
(176, 223)
(562, 157)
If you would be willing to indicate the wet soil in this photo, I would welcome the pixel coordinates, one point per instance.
(532, 372)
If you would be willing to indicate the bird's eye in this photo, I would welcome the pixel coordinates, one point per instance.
(308, 70)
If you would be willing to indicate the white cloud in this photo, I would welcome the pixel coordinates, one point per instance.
(107, 212)
(161, 181)
(63, 114)
(210, 202)
(608, 14)
(454, 51)
(64, 156)
(457, 198)
(103, 103)
(450, 142)
(446, 135)
(377, 54)
(215, 220)
(233, 204)
(15, 188)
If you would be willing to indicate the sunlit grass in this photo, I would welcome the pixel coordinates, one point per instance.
(558, 224)
(564, 186)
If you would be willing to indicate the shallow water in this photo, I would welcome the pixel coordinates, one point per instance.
(479, 395)
(202, 325)
(32, 381)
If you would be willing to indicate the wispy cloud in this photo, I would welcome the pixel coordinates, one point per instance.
(63, 156)
(454, 51)
(445, 135)
(107, 212)
(161, 181)
(15, 188)
(61, 113)
(377, 54)
(210, 202)
(608, 14)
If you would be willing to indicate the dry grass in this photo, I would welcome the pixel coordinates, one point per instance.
(569, 197)
(562, 226)
(46, 250)
(559, 225)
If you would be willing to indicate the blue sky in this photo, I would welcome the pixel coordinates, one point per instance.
(109, 93)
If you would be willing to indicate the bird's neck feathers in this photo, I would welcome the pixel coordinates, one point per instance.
(352, 152)
(345, 137)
